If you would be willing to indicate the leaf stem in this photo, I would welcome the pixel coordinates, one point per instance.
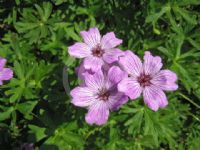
(188, 99)
(195, 117)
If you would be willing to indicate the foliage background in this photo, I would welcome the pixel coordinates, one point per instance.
(34, 107)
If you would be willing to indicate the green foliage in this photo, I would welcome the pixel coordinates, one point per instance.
(37, 23)
(34, 108)
(65, 137)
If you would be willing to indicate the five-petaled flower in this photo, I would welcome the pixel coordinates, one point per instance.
(146, 78)
(99, 94)
(5, 73)
(96, 50)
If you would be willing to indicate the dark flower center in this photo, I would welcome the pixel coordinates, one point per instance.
(103, 94)
(97, 51)
(144, 80)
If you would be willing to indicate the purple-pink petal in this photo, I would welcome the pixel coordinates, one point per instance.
(154, 98)
(91, 37)
(6, 74)
(2, 63)
(131, 63)
(118, 100)
(28, 146)
(115, 75)
(109, 41)
(152, 64)
(130, 87)
(82, 96)
(112, 55)
(93, 63)
(81, 71)
(95, 81)
(79, 50)
(97, 114)
(166, 80)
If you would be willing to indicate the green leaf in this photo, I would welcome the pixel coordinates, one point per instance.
(47, 10)
(39, 10)
(185, 14)
(26, 108)
(6, 114)
(19, 70)
(188, 2)
(184, 76)
(64, 138)
(194, 43)
(150, 128)
(155, 16)
(135, 122)
(38, 132)
(166, 52)
(71, 33)
(16, 94)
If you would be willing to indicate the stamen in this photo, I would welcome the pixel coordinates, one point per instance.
(144, 80)
(103, 94)
(97, 51)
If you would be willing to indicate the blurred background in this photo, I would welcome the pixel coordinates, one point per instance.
(35, 110)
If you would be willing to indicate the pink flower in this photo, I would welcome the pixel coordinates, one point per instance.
(28, 146)
(81, 71)
(146, 78)
(96, 50)
(5, 73)
(100, 95)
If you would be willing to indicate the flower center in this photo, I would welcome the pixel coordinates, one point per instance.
(97, 51)
(144, 80)
(103, 94)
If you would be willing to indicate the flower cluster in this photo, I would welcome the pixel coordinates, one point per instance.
(111, 75)
(5, 73)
